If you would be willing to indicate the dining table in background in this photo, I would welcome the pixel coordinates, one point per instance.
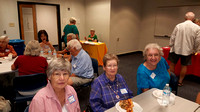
(96, 50)
(149, 104)
(193, 69)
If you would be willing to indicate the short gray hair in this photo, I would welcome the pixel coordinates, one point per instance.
(190, 16)
(108, 57)
(71, 35)
(74, 43)
(152, 46)
(72, 20)
(5, 38)
(32, 48)
(58, 64)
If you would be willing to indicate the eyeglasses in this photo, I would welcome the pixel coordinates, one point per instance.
(111, 66)
(153, 55)
(58, 75)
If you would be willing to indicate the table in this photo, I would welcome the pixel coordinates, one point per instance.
(149, 104)
(96, 50)
(193, 69)
(5, 66)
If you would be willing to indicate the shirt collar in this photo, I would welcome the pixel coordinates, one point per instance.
(79, 54)
(51, 93)
(108, 80)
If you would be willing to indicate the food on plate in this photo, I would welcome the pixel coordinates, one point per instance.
(127, 105)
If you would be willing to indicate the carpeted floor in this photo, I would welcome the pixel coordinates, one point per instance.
(128, 68)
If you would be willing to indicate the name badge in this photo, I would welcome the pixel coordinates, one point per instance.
(71, 99)
(74, 66)
(123, 91)
(153, 75)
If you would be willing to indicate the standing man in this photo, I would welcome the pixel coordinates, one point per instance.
(184, 41)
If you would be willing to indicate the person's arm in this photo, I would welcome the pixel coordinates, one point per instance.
(51, 46)
(96, 97)
(143, 90)
(13, 67)
(198, 98)
(77, 37)
(173, 35)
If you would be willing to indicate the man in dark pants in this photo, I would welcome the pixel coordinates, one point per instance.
(184, 41)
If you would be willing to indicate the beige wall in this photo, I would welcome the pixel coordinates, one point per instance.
(132, 21)
(125, 26)
(148, 20)
(98, 17)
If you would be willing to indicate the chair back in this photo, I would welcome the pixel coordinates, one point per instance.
(26, 109)
(30, 84)
(173, 83)
(95, 66)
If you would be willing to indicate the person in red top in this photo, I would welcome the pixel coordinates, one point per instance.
(30, 62)
(6, 49)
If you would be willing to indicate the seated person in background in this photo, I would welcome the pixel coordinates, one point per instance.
(198, 98)
(57, 96)
(44, 41)
(154, 72)
(82, 70)
(30, 62)
(197, 21)
(6, 49)
(92, 37)
(110, 87)
(70, 36)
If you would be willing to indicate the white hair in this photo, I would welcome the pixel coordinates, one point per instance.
(190, 16)
(32, 48)
(5, 38)
(58, 64)
(72, 20)
(74, 43)
(71, 35)
(152, 46)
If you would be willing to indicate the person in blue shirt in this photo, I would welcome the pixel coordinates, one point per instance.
(82, 70)
(110, 87)
(154, 72)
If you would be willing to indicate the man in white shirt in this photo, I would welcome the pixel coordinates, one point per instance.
(184, 41)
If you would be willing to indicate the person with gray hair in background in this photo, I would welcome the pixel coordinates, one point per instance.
(184, 41)
(6, 49)
(57, 96)
(65, 53)
(30, 62)
(70, 28)
(82, 70)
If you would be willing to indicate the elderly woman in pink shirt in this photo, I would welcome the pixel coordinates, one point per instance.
(57, 96)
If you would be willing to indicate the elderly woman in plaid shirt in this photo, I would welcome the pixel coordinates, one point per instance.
(110, 87)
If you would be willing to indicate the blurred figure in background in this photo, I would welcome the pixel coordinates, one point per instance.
(197, 21)
(30, 62)
(44, 41)
(184, 41)
(57, 96)
(92, 37)
(5, 48)
(70, 28)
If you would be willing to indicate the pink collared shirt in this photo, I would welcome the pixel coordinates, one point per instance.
(46, 100)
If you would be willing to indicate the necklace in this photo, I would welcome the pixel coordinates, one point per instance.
(116, 92)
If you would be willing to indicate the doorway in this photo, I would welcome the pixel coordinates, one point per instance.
(39, 16)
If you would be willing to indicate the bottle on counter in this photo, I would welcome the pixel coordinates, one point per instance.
(54, 54)
(166, 95)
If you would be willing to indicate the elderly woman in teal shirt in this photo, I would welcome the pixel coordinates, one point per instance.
(71, 28)
(154, 72)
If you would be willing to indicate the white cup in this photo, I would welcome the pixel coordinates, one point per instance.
(10, 57)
